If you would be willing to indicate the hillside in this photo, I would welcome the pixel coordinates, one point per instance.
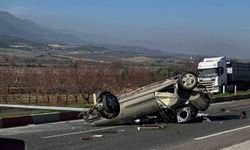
(29, 30)
(21, 51)
(25, 41)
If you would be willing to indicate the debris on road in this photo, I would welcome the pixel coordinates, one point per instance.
(98, 136)
(147, 128)
(122, 130)
(86, 138)
(207, 120)
(202, 115)
(110, 131)
(154, 125)
(91, 137)
(151, 127)
(243, 115)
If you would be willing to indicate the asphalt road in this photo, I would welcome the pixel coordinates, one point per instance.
(224, 128)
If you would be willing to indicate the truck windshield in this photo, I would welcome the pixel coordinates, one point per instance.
(208, 72)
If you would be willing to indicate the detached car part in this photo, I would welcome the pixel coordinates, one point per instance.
(175, 100)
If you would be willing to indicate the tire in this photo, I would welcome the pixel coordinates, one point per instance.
(100, 94)
(110, 104)
(187, 81)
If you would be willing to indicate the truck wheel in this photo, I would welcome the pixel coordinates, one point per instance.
(187, 81)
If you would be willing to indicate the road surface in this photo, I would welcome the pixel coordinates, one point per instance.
(223, 128)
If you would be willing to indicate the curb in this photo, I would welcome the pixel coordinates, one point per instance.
(1, 123)
(46, 118)
(17, 121)
(64, 116)
(38, 119)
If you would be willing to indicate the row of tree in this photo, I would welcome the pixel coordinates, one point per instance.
(79, 81)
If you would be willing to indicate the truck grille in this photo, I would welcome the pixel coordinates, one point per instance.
(208, 84)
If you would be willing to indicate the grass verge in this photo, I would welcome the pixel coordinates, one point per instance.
(231, 94)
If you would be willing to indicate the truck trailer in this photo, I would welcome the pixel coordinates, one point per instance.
(216, 72)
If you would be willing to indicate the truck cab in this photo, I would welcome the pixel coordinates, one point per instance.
(212, 73)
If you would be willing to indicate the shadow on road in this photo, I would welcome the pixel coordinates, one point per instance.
(224, 117)
(216, 118)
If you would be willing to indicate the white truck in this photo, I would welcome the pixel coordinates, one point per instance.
(214, 73)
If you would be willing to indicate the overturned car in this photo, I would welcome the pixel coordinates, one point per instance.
(177, 99)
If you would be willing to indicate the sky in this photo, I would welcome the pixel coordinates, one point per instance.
(145, 21)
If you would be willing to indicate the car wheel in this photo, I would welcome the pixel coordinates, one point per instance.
(110, 103)
(187, 81)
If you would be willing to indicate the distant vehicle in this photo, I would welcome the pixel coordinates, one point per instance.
(174, 100)
(214, 73)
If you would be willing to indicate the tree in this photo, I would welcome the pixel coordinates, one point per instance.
(7, 77)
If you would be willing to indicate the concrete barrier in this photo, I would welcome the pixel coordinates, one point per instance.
(69, 116)
(17, 121)
(37, 119)
(46, 118)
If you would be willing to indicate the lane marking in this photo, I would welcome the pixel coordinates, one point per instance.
(74, 133)
(220, 133)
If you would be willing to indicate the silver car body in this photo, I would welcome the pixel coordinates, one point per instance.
(153, 98)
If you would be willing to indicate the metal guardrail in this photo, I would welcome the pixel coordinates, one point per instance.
(43, 107)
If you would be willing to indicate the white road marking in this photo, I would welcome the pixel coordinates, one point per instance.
(74, 133)
(220, 133)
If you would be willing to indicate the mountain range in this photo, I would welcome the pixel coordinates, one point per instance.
(29, 30)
